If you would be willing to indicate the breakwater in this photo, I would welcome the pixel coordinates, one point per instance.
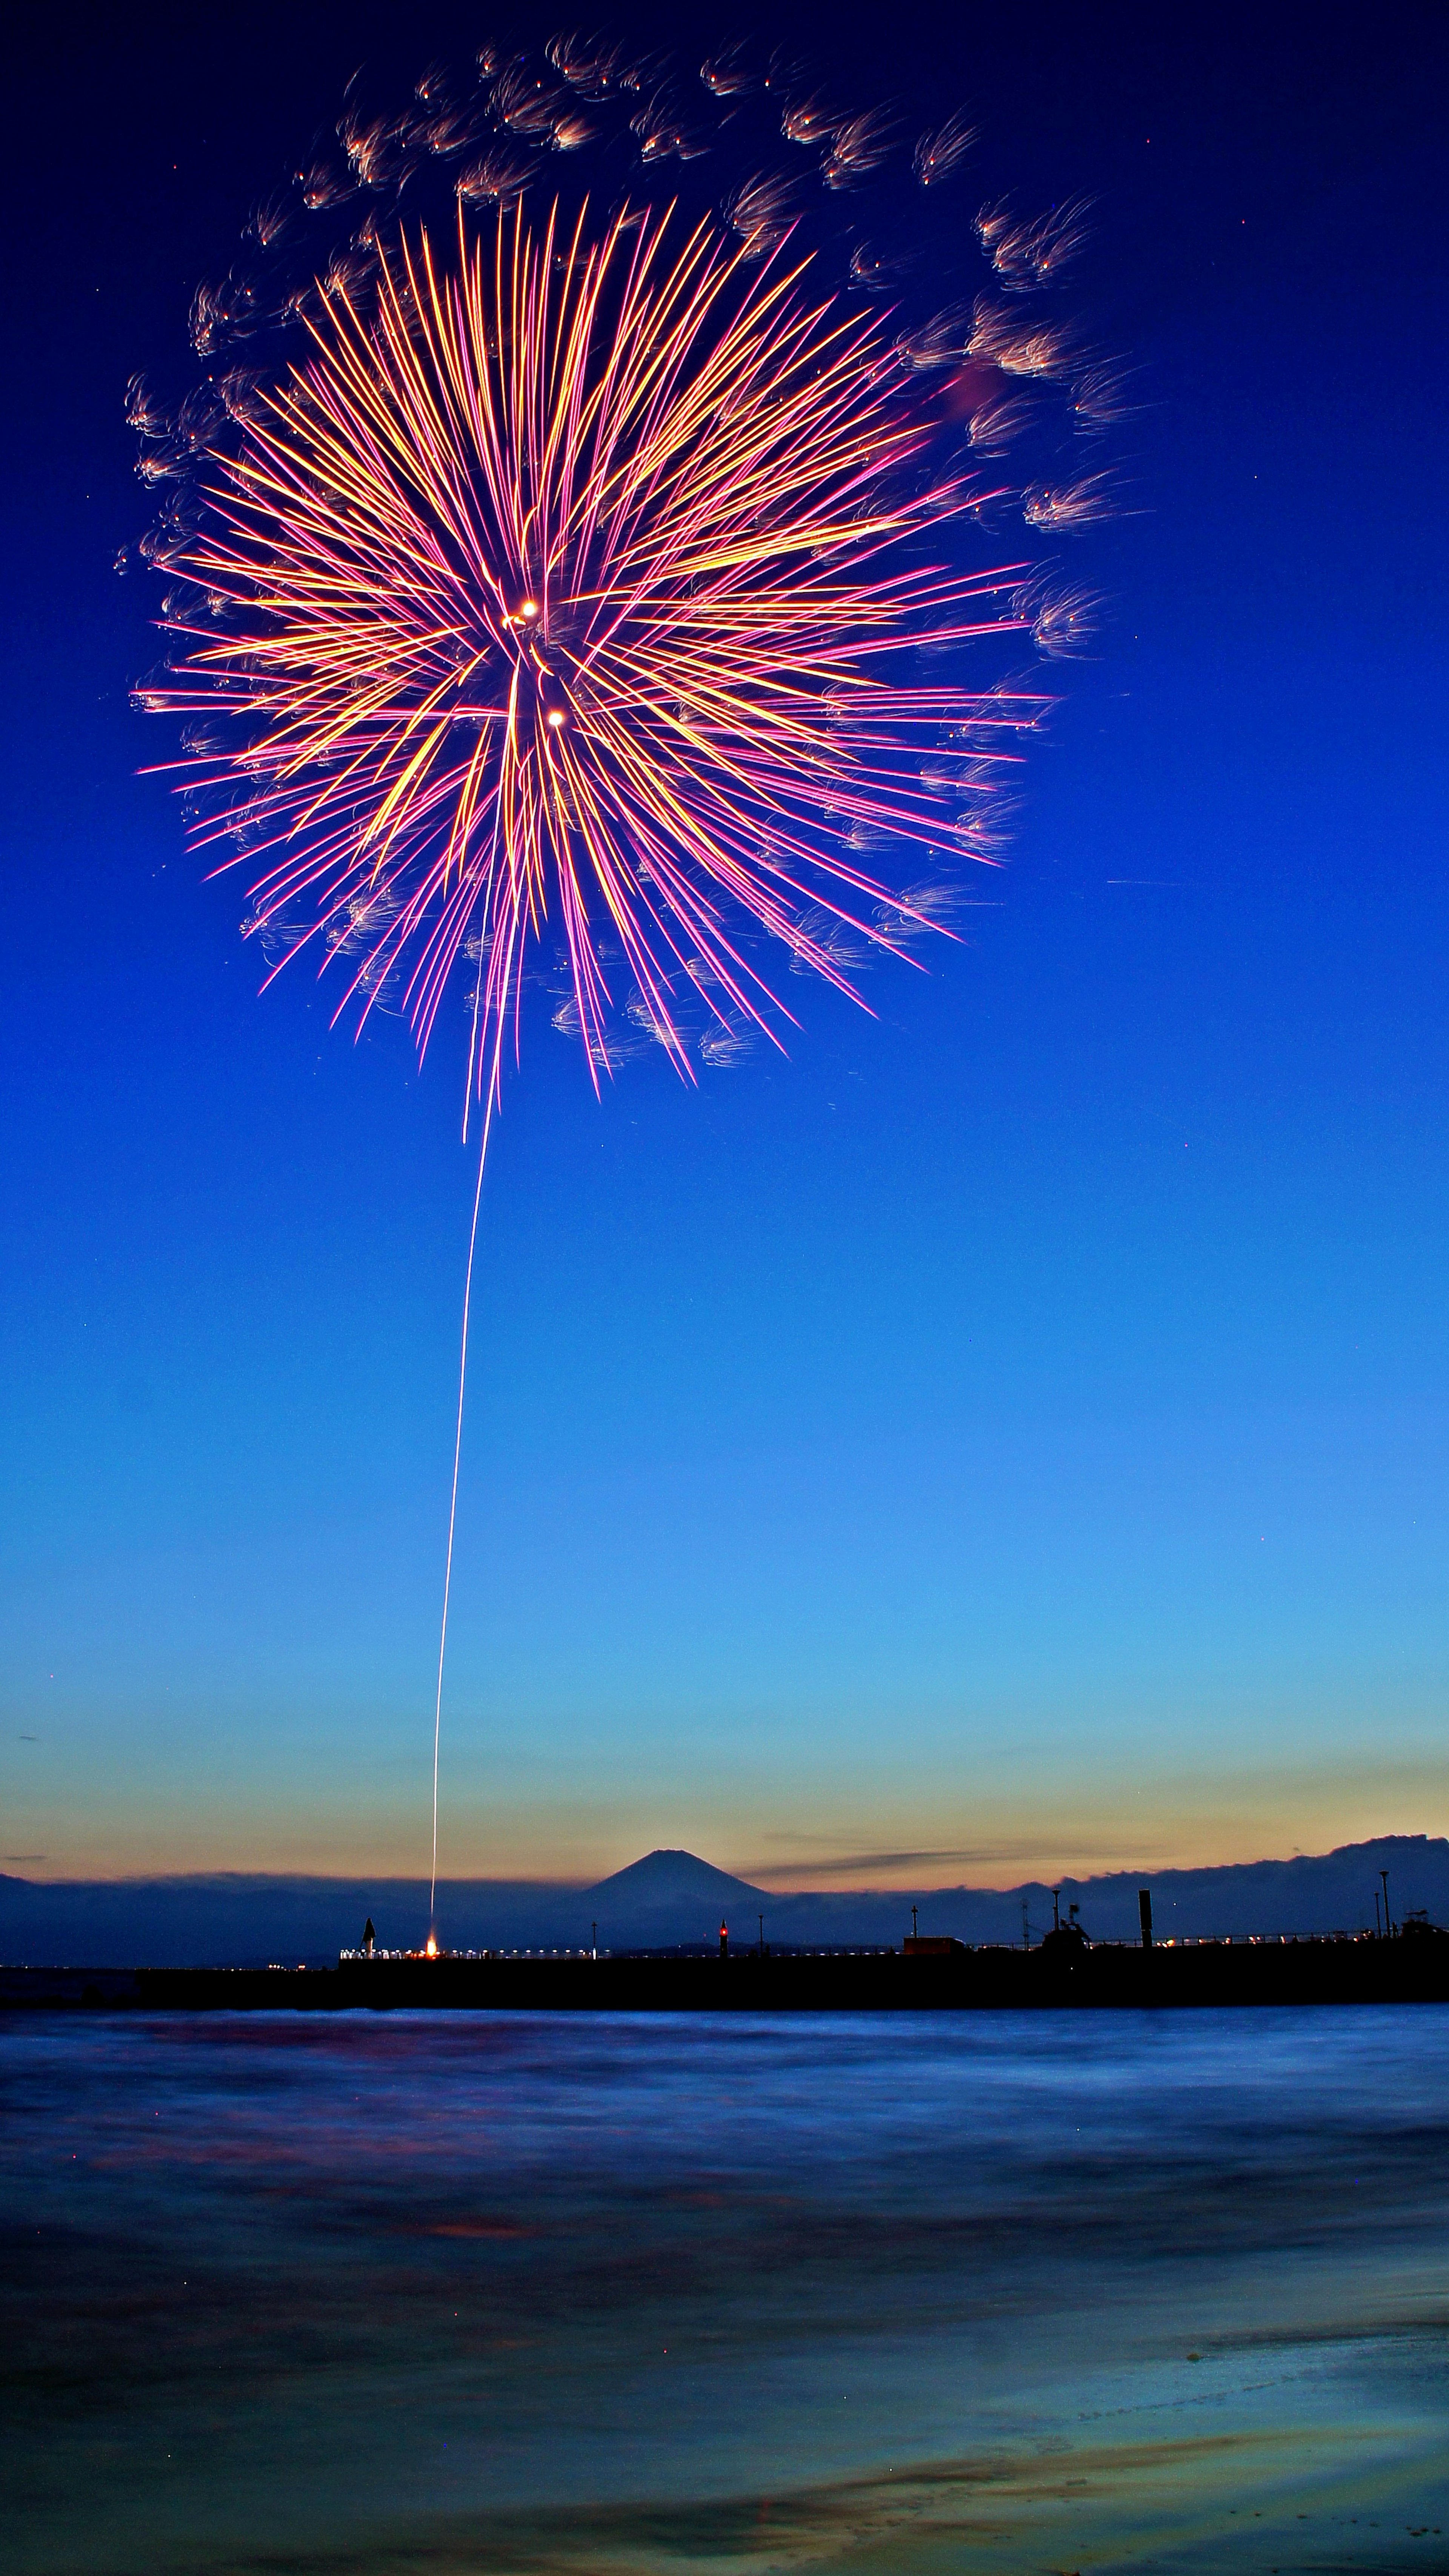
(1103, 1976)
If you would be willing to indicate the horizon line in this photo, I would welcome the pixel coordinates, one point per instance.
(780, 1895)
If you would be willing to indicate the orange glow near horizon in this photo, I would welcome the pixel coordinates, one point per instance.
(997, 1834)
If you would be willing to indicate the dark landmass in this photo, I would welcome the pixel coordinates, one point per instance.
(669, 1898)
(1066, 1973)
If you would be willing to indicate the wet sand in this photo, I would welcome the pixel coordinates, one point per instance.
(520, 2293)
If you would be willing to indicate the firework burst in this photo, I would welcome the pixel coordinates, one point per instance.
(601, 582)
(585, 582)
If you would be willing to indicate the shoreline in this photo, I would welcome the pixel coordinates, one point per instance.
(1107, 1976)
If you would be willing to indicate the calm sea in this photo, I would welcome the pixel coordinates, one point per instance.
(596, 2296)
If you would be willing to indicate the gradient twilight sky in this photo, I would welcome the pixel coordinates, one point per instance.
(1012, 1434)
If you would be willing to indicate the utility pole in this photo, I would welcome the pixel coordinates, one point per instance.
(914, 1934)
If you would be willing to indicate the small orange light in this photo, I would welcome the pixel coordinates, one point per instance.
(529, 608)
(554, 718)
(432, 1945)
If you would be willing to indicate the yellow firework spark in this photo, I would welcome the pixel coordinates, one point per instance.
(585, 577)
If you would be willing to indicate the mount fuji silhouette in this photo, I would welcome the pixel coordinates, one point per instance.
(669, 1896)
(663, 1877)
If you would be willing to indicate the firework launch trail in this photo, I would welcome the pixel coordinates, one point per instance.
(602, 580)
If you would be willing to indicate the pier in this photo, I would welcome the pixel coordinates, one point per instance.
(1060, 1975)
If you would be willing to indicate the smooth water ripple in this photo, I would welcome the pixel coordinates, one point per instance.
(494, 2293)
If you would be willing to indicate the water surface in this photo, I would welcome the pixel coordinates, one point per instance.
(997, 2292)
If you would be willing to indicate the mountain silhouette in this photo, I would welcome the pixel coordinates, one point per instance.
(673, 1879)
(226, 1919)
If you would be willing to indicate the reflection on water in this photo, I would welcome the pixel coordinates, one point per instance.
(1001, 2293)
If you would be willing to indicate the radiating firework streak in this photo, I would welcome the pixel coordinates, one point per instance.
(574, 576)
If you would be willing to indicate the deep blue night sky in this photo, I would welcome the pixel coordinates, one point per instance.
(1014, 1428)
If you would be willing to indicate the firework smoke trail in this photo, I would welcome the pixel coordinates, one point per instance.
(575, 576)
